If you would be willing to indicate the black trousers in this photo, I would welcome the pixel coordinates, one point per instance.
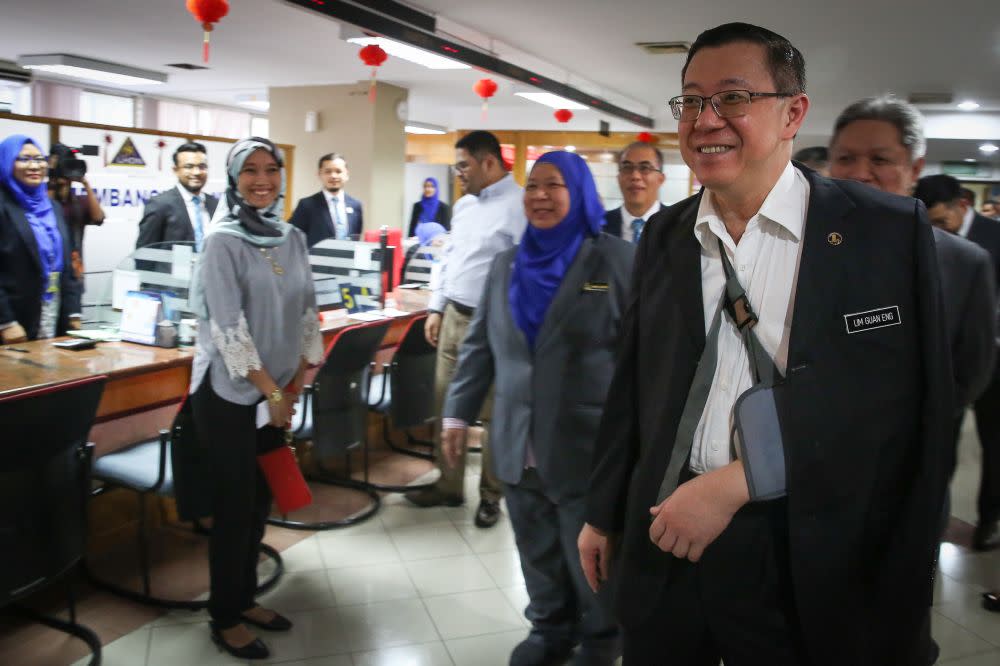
(241, 501)
(988, 426)
(734, 604)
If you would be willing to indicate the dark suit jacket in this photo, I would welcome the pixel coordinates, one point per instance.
(986, 233)
(866, 420)
(551, 396)
(21, 281)
(442, 217)
(312, 215)
(165, 218)
(613, 222)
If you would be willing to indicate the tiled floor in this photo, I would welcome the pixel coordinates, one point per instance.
(425, 587)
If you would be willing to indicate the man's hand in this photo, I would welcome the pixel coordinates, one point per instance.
(13, 334)
(697, 512)
(74, 324)
(432, 328)
(453, 444)
(596, 550)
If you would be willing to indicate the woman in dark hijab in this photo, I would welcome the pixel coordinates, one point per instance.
(430, 208)
(259, 330)
(39, 293)
(544, 335)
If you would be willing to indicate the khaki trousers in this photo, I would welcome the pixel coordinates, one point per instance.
(452, 481)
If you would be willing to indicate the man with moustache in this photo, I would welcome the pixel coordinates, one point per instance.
(181, 213)
(640, 176)
(331, 212)
(834, 565)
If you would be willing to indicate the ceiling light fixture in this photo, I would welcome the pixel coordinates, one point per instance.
(988, 148)
(968, 105)
(553, 101)
(423, 128)
(255, 102)
(410, 53)
(88, 69)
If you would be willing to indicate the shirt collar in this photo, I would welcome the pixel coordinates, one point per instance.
(785, 205)
(333, 198)
(498, 188)
(963, 231)
(628, 217)
(187, 194)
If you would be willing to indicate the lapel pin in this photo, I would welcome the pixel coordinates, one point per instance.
(834, 239)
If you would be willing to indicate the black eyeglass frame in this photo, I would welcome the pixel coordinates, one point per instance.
(675, 103)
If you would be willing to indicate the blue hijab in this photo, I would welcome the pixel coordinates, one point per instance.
(428, 231)
(430, 204)
(544, 255)
(36, 205)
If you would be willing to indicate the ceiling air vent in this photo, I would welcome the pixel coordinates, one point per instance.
(186, 65)
(664, 48)
(930, 98)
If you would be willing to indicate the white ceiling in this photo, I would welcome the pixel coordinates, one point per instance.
(853, 48)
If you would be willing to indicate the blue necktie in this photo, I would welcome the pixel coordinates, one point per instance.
(637, 229)
(338, 222)
(199, 230)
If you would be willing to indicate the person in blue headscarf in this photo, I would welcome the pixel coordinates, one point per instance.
(39, 292)
(430, 208)
(545, 335)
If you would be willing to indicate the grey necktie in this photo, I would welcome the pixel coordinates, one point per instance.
(339, 228)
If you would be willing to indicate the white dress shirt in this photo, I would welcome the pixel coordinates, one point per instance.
(963, 231)
(335, 202)
(481, 228)
(767, 264)
(628, 218)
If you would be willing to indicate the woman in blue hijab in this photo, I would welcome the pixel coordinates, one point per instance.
(430, 208)
(39, 294)
(544, 335)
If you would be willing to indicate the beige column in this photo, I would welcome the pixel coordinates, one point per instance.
(369, 135)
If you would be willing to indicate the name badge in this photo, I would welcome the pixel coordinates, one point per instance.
(349, 209)
(872, 319)
(595, 286)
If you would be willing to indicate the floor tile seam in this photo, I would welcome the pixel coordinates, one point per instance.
(427, 611)
(994, 646)
(492, 586)
(970, 655)
(438, 642)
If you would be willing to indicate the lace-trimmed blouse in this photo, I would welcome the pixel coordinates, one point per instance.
(257, 318)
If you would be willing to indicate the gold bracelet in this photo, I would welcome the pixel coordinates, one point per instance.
(276, 397)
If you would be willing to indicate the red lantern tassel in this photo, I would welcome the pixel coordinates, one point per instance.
(207, 27)
(371, 87)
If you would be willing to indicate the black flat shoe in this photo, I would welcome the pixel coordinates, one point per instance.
(276, 623)
(991, 601)
(252, 650)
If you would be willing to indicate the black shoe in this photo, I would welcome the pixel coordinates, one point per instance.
(991, 601)
(276, 623)
(986, 536)
(255, 649)
(428, 497)
(488, 513)
(533, 651)
(598, 652)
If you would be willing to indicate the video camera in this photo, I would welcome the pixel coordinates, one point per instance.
(68, 164)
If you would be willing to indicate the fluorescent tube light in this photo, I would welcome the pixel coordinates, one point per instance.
(77, 67)
(554, 101)
(968, 105)
(410, 53)
(424, 128)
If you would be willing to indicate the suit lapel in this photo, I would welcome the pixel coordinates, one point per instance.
(819, 276)
(685, 262)
(324, 207)
(583, 264)
(20, 221)
(182, 210)
(516, 334)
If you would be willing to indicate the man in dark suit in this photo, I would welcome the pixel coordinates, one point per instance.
(181, 213)
(640, 176)
(844, 280)
(331, 212)
(948, 210)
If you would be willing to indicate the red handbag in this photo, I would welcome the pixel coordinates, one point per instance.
(284, 478)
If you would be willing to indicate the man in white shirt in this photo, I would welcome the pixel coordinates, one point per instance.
(331, 212)
(481, 227)
(640, 176)
(833, 563)
(182, 213)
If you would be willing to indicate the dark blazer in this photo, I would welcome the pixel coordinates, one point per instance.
(312, 215)
(21, 281)
(551, 396)
(867, 419)
(986, 233)
(613, 222)
(970, 307)
(442, 217)
(165, 218)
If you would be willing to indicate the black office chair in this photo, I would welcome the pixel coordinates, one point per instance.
(44, 480)
(148, 468)
(332, 413)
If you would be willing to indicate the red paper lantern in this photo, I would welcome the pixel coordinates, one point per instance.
(373, 55)
(207, 12)
(485, 88)
(646, 137)
(563, 115)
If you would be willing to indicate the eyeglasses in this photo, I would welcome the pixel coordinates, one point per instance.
(644, 168)
(728, 104)
(460, 167)
(28, 160)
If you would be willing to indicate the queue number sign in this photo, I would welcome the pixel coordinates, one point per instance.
(351, 295)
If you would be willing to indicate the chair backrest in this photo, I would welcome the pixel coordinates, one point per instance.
(412, 378)
(340, 389)
(44, 478)
(419, 265)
